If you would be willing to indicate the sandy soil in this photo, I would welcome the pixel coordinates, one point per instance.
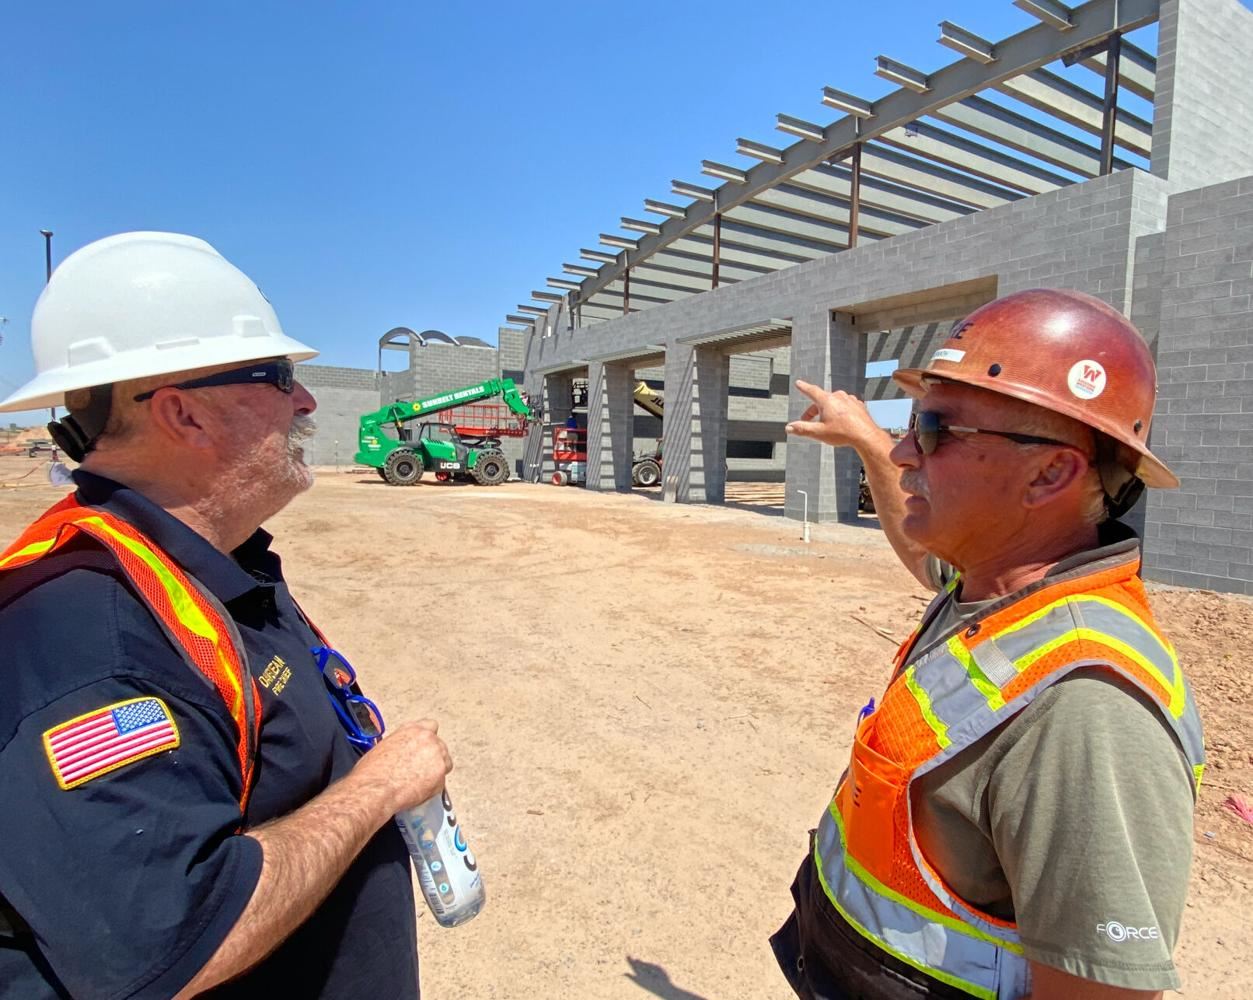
(648, 706)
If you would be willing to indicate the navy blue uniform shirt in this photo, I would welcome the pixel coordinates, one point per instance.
(128, 883)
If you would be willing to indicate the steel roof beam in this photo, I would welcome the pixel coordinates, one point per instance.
(1028, 50)
(688, 280)
(701, 264)
(929, 176)
(641, 225)
(581, 270)
(1050, 12)
(1137, 70)
(600, 256)
(805, 236)
(826, 208)
(799, 127)
(967, 43)
(878, 193)
(966, 154)
(758, 151)
(535, 310)
(1009, 128)
(1057, 96)
(664, 208)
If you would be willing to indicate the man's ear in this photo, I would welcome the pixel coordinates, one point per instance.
(1061, 469)
(176, 416)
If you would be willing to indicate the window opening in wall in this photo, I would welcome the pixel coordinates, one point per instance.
(750, 449)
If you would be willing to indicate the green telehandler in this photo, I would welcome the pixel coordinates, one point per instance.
(387, 443)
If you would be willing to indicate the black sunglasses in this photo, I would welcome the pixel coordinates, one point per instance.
(281, 374)
(926, 429)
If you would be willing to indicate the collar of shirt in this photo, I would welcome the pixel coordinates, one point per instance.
(249, 573)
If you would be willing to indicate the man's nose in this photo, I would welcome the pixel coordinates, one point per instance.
(303, 399)
(905, 453)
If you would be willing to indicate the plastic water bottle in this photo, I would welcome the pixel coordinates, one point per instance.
(447, 871)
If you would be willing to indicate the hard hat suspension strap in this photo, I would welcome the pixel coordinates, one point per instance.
(76, 432)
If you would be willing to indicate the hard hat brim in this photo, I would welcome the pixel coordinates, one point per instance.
(49, 387)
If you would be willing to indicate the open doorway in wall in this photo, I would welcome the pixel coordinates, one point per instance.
(756, 448)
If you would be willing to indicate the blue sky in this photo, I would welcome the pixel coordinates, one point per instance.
(380, 164)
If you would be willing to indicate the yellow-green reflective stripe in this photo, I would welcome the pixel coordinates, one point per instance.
(952, 923)
(924, 706)
(991, 693)
(1178, 693)
(1178, 696)
(30, 550)
(939, 974)
(1197, 771)
(184, 607)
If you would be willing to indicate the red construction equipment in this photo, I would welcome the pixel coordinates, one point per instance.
(486, 420)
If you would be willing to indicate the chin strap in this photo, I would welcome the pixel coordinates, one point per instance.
(1122, 486)
(76, 432)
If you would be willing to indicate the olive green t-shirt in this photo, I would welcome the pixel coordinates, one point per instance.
(1074, 819)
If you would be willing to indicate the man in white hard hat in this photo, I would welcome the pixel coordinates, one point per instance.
(183, 810)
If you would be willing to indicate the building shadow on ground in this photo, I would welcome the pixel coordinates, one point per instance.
(656, 980)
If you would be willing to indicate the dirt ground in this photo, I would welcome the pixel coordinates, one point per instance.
(648, 705)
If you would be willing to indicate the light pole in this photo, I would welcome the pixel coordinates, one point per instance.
(47, 235)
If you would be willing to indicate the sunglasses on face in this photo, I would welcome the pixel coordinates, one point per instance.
(280, 374)
(925, 427)
(360, 717)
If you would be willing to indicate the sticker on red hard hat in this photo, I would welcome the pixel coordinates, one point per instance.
(1086, 379)
(947, 354)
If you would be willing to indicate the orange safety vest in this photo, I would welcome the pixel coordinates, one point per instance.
(193, 619)
(942, 701)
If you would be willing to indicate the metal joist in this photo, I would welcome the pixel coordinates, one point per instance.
(1137, 70)
(997, 124)
(876, 193)
(1024, 52)
(1057, 96)
(967, 155)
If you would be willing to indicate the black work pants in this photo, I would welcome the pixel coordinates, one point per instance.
(824, 958)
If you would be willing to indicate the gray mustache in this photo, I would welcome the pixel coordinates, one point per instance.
(303, 427)
(912, 482)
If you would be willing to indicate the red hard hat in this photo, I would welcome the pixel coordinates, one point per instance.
(1063, 351)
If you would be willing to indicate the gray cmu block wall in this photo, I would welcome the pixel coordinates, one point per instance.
(1203, 97)
(1080, 237)
(343, 394)
(1197, 277)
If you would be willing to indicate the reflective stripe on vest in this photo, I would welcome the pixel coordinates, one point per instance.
(946, 699)
(196, 624)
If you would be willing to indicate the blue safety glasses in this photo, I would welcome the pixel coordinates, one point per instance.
(360, 717)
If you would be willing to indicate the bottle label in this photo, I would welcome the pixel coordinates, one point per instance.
(447, 869)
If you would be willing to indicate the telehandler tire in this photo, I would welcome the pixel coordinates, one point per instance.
(646, 473)
(403, 468)
(490, 469)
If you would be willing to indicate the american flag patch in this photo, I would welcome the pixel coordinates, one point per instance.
(109, 738)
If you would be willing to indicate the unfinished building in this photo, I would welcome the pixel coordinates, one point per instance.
(1105, 148)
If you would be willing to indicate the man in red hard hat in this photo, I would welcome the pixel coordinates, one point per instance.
(1016, 818)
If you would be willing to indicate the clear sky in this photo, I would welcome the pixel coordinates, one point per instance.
(372, 165)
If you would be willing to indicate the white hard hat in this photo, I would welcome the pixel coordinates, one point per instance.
(140, 304)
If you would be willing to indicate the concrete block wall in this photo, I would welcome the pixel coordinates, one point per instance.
(343, 394)
(1080, 237)
(1196, 281)
(1203, 96)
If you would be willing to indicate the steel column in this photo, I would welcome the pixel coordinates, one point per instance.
(717, 257)
(1112, 60)
(626, 290)
(854, 205)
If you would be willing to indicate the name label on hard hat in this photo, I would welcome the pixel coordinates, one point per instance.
(947, 354)
(1086, 379)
